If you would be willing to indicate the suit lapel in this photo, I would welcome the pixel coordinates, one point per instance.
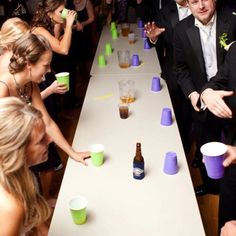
(174, 17)
(195, 41)
(222, 26)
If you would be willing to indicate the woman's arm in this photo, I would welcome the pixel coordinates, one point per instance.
(53, 130)
(55, 87)
(90, 11)
(62, 45)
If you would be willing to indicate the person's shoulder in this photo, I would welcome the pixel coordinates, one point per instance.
(185, 24)
(11, 208)
(40, 30)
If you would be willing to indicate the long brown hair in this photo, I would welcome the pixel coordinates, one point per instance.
(41, 18)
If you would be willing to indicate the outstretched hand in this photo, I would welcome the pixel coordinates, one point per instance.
(215, 103)
(153, 31)
(81, 157)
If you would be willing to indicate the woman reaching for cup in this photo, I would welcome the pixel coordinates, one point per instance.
(28, 65)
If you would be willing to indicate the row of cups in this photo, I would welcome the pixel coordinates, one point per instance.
(213, 155)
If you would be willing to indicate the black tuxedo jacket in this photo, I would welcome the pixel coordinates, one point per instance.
(152, 8)
(188, 56)
(167, 18)
(225, 79)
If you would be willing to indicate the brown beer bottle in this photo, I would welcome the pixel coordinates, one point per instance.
(138, 163)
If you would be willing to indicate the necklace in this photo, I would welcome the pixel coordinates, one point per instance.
(25, 93)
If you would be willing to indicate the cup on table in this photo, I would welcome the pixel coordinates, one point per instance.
(114, 34)
(63, 78)
(97, 154)
(77, 206)
(156, 84)
(101, 60)
(123, 58)
(127, 90)
(213, 156)
(131, 37)
(140, 23)
(125, 29)
(166, 117)
(124, 110)
(146, 44)
(135, 60)
(113, 25)
(170, 163)
(108, 49)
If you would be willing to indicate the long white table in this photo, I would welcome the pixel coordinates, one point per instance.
(159, 204)
(148, 57)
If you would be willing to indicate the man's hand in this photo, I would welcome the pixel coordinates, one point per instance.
(229, 229)
(153, 31)
(194, 97)
(213, 99)
(230, 156)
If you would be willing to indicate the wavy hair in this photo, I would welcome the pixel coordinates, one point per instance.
(28, 49)
(11, 30)
(41, 18)
(15, 175)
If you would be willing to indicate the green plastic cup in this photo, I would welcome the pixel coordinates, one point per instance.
(101, 60)
(108, 49)
(64, 14)
(97, 154)
(78, 211)
(113, 25)
(63, 78)
(114, 34)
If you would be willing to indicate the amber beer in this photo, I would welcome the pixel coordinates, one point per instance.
(125, 30)
(127, 99)
(124, 65)
(138, 163)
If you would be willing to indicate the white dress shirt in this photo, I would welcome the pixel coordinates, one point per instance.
(183, 12)
(208, 42)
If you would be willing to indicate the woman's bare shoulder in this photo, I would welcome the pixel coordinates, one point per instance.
(11, 214)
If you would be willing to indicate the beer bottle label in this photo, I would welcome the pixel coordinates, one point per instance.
(138, 170)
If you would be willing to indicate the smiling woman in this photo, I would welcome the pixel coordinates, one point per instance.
(29, 63)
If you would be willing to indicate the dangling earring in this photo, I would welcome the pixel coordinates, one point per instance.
(30, 74)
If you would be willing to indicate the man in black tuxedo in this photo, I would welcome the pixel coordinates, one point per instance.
(152, 7)
(197, 56)
(212, 95)
(160, 34)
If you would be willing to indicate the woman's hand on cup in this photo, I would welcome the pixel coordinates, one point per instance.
(70, 17)
(58, 88)
(81, 157)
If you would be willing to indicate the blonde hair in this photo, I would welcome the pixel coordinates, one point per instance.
(11, 30)
(17, 121)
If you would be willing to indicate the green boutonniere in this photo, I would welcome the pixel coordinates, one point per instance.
(223, 41)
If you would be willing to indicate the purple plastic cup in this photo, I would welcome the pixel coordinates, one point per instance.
(143, 34)
(135, 60)
(146, 45)
(170, 164)
(166, 117)
(213, 156)
(140, 24)
(156, 84)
